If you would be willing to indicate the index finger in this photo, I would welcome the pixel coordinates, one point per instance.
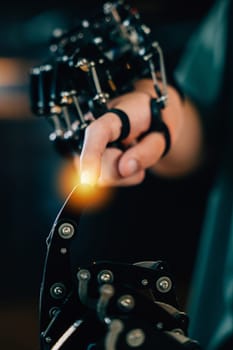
(97, 136)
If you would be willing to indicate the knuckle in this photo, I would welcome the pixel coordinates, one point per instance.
(90, 129)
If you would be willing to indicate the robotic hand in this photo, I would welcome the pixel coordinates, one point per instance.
(106, 305)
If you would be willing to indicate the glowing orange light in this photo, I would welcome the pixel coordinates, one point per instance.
(87, 178)
(89, 196)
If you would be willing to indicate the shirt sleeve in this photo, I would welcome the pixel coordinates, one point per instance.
(200, 71)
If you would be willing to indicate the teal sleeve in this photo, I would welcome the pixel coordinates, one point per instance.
(200, 71)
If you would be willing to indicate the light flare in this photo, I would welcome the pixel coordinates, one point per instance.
(89, 195)
(87, 178)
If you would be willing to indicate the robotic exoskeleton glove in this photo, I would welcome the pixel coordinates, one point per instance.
(90, 64)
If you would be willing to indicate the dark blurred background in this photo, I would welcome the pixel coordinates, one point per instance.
(30, 198)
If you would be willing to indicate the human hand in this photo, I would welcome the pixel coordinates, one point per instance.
(113, 166)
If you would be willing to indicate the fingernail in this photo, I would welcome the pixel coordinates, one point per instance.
(132, 166)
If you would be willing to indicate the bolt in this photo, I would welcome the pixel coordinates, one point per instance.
(144, 282)
(126, 302)
(105, 276)
(164, 284)
(58, 290)
(135, 337)
(66, 230)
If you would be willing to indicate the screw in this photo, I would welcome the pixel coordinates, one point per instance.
(126, 302)
(135, 337)
(144, 282)
(58, 290)
(105, 276)
(66, 230)
(164, 284)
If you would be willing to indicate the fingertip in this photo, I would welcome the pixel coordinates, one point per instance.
(129, 167)
(87, 178)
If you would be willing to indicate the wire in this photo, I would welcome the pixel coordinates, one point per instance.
(66, 335)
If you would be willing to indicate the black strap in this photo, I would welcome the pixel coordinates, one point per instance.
(157, 124)
(125, 129)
